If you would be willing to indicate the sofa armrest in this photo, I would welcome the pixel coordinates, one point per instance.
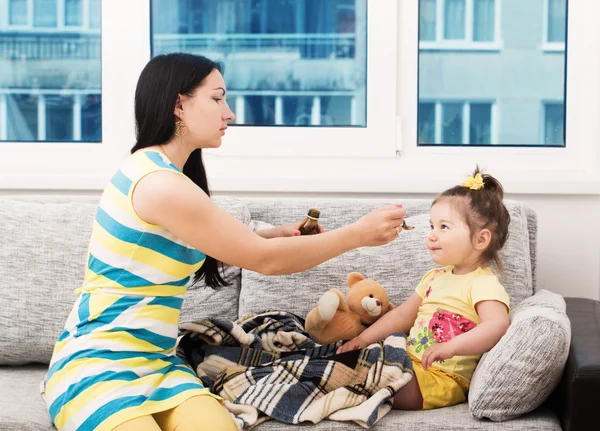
(574, 399)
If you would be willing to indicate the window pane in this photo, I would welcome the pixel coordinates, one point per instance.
(73, 13)
(44, 13)
(59, 118)
(454, 19)
(94, 12)
(483, 20)
(554, 124)
(557, 11)
(427, 13)
(22, 111)
(514, 90)
(480, 124)
(452, 123)
(287, 62)
(17, 12)
(50, 83)
(426, 133)
(91, 118)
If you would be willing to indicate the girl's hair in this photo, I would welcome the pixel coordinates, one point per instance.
(163, 79)
(482, 209)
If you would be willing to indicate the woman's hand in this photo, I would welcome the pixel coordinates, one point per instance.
(380, 226)
(291, 229)
(437, 352)
(355, 344)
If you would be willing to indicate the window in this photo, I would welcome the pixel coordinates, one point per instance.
(51, 89)
(73, 13)
(459, 24)
(17, 12)
(555, 24)
(292, 67)
(554, 123)
(396, 119)
(50, 15)
(455, 123)
(44, 13)
(517, 78)
(94, 13)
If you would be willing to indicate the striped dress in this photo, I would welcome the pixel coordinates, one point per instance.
(115, 359)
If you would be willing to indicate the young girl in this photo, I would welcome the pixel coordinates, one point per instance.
(458, 311)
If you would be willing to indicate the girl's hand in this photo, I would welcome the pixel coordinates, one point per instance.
(355, 344)
(437, 352)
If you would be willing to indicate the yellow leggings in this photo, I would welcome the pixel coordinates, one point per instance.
(200, 413)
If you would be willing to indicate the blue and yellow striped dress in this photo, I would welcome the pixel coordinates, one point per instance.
(116, 360)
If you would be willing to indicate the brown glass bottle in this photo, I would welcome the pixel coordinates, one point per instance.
(310, 225)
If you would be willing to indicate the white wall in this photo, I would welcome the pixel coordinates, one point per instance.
(568, 235)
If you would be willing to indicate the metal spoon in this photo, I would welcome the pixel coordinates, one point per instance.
(405, 226)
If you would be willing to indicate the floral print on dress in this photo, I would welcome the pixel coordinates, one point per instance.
(445, 325)
(433, 277)
(423, 341)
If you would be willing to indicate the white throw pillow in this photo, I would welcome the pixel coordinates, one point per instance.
(526, 365)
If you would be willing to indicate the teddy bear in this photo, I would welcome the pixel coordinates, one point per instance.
(337, 318)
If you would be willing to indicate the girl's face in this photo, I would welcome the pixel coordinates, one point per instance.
(206, 113)
(449, 242)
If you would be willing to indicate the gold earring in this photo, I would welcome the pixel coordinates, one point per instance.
(180, 129)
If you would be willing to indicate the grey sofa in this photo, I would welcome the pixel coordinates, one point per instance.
(43, 244)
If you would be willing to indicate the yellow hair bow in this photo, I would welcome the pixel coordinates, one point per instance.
(474, 183)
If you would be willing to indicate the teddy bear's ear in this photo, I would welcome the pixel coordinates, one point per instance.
(353, 278)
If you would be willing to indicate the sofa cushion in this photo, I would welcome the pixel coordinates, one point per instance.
(24, 410)
(43, 247)
(398, 266)
(522, 370)
(21, 405)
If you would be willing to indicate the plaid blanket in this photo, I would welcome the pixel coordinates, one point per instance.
(266, 366)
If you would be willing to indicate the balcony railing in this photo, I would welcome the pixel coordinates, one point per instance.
(61, 46)
(303, 45)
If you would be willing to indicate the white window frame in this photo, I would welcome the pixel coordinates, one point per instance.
(338, 142)
(467, 44)
(546, 45)
(574, 169)
(89, 166)
(466, 116)
(60, 19)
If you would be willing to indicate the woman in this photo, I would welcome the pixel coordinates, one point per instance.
(114, 367)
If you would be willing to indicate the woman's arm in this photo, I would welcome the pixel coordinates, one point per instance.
(400, 319)
(283, 230)
(177, 204)
(494, 324)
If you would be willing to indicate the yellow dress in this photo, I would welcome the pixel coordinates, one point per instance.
(115, 359)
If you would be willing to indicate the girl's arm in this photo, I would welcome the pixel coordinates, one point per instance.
(400, 319)
(494, 324)
(174, 202)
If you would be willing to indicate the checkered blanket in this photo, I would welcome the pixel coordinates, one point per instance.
(266, 366)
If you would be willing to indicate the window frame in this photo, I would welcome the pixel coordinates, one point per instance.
(335, 142)
(84, 165)
(466, 44)
(574, 169)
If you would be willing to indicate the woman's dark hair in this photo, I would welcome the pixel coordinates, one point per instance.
(163, 79)
(482, 209)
